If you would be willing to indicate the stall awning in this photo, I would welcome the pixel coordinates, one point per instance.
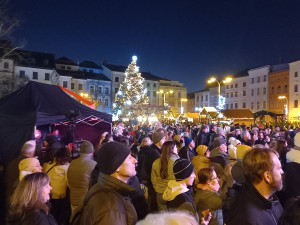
(78, 97)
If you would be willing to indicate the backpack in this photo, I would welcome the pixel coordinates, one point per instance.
(76, 217)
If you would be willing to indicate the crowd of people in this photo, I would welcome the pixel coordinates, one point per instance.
(164, 174)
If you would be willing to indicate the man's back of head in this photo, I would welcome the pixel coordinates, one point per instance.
(263, 169)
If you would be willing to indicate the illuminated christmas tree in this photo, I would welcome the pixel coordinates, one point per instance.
(131, 99)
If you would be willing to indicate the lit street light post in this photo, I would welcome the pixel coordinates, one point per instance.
(286, 104)
(164, 94)
(212, 80)
(181, 108)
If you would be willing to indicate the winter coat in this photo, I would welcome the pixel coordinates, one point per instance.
(109, 207)
(151, 155)
(186, 153)
(179, 197)
(32, 217)
(292, 181)
(58, 179)
(202, 139)
(252, 208)
(138, 198)
(141, 156)
(206, 199)
(200, 162)
(79, 177)
(160, 184)
(217, 156)
(232, 195)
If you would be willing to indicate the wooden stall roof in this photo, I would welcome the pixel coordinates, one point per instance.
(238, 113)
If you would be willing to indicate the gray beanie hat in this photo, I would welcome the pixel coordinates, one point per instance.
(86, 147)
(218, 142)
(157, 136)
(111, 156)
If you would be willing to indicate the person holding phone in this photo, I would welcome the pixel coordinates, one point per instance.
(207, 196)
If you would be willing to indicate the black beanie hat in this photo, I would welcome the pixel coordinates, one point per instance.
(111, 156)
(182, 169)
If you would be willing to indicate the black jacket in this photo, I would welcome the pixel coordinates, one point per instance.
(251, 208)
(152, 154)
(202, 139)
(32, 217)
(186, 153)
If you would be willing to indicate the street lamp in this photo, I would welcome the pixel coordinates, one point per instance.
(164, 94)
(286, 105)
(84, 95)
(181, 108)
(225, 81)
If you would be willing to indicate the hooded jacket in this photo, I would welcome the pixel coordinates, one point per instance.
(217, 156)
(252, 208)
(179, 197)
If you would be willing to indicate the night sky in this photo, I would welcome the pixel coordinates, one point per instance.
(186, 40)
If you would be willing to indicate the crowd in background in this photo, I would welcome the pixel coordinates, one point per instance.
(203, 174)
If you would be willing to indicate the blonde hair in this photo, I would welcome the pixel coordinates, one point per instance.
(28, 194)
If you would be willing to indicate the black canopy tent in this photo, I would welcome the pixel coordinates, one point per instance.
(38, 104)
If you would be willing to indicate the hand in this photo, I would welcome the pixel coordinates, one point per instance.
(206, 216)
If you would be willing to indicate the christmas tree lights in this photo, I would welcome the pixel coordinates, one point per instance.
(131, 98)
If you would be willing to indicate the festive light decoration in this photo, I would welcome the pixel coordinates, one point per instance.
(131, 99)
